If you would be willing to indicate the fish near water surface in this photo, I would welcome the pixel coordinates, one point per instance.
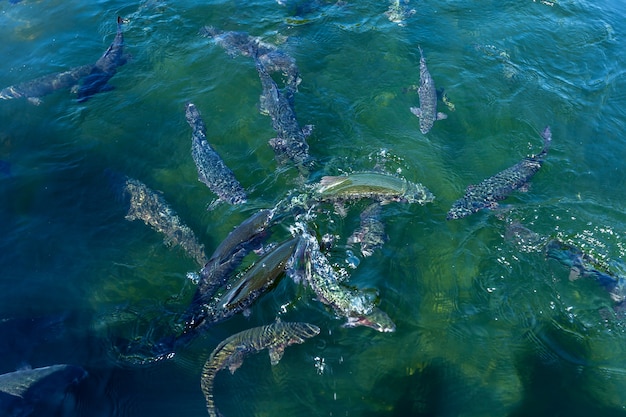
(35, 89)
(104, 68)
(150, 207)
(212, 170)
(384, 188)
(371, 232)
(427, 111)
(272, 58)
(314, 270)
(290, 142)
(231, 352)
(488, 192)
(39, 391)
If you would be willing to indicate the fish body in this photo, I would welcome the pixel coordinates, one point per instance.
(487, 193)
(37, 392)
(35, 89)
(231, 352)
(150, 207)
(427, 111)
(241, 43)
(375, 185)
(257, 279)
(398, 11)
(317, 272)
(371, 232)
(290, 141)
(212, 170)
(105, 67)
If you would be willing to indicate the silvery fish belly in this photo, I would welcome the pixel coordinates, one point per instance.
(375, 185)
(356, 306)
(150, 207)
(488, 192)
(212, 170)
(230, 353)
(427, 111)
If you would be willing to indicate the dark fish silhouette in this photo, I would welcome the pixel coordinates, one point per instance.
(105, 68)
(212, 170)
(37, 392)
(290, 141)
(272, 58)
(35, 89)
(427, 111)
(231, 352)
(487, 193)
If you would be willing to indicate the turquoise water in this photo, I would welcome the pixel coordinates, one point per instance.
(485, 326)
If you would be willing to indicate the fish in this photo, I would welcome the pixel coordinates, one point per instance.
(212, 170)
(261, 276)
(105, 68)
(371, 232)
(398, 11)
(150, 207)
(34, 90)
(290, 144)
(39, 391)
(272, 58)
(427, 111)
(584, 265)
(381, 187)
(231, 352)
(488, 192)
(314, 269)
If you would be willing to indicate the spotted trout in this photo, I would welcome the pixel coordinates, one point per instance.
(230, 353)
(487, 193)
(427, 111)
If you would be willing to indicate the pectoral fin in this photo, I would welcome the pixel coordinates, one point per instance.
(441, 116)
(276, 353)
(416, 111)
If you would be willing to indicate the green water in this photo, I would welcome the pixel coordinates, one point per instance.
(484, 327)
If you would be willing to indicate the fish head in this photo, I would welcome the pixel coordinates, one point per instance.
(376, 319)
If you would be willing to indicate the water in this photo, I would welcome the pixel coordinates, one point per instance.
(484, 326)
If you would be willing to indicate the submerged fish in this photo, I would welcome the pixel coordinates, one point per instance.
(583, 265)
(371, 232)
(35, 89)
(105, 67)
(230, 353)
(211, 168)
(314, 269)
(38, 392)
(290, 141)
(487, 193)
(398, 11)
(150, 207)
(427, 111)
(375, 185)
(241, 43)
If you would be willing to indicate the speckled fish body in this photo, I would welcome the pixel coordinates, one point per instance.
(212, 170)
(290, 144)
(104, 68)
(427, 111)
(371, 232)
(357, 307)
(487, 193)
(35, 89)
(381, 187)
(150, 207)
(231, 352)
